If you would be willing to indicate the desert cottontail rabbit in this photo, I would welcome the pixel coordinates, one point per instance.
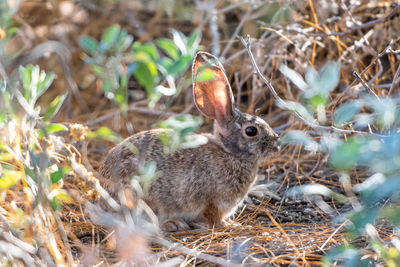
(205, 183)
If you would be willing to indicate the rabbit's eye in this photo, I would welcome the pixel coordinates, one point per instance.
(251, 131)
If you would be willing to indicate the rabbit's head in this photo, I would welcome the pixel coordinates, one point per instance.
(241, 134)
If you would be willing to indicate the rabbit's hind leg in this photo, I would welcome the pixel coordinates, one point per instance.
(213, 216)
(174, 225)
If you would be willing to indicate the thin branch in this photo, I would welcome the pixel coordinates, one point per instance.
(213, 23)
(64, 237)
(133, 108)
(365, 85)
(192, 252)
(314, 125)
(332, 235)
(236, 32)
(349, 30)
(396, 75)
(93, 182)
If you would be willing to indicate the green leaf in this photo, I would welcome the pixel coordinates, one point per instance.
(385, 189)
(205, 75)
(317, 100)
(193, 41)
(25, 74)
(346, 155)
(111, 34)
(361, 218)
(89, 44)
(34, 82)
(9, 179)
(300, 137)
(183, 123)
(104, 133)
(121, 94)
(124, 40)
(145, 74)
(180, 66)
(59, 174)
(145, 52)
(109, 37)
(317, 189)
(52, 128)
(294, 77)
(193, 140)
(346, 112)
(56, 127)
(297, 108)
(54, 107)
(168, 47)
(45, 80)
(62, 195)
(97, 70)
(329, 77)
(55, 204)
(164, 64)
(392, 213)
(347, 256)
(180, 41)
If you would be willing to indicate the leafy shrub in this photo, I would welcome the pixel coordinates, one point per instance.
(374, 144)
(29, 158)
(115, 58)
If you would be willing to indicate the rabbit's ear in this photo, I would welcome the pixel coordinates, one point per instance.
(211, 90)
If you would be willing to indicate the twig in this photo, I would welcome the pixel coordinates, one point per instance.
(396, 75)
(64, 237)
(7, 236)
(89, 178)
(365, 85)
(282, 231)
(332, 235)
(314, 125)
(192, 252)
(235, 33)
(349, 30)
(12, 251)
(214, 31)
(133, 108)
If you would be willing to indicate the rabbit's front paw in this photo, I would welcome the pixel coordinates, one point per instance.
(230, 223)
(175, 225)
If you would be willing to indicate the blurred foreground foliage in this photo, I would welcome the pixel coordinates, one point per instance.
(374, 145)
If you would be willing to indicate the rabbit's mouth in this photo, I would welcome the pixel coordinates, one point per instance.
(270, 147)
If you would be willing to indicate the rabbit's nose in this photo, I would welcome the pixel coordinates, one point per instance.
(276, 145)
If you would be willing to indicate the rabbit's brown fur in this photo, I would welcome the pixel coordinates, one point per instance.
(205, 183)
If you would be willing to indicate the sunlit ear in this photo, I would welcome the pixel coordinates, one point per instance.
(211, 90)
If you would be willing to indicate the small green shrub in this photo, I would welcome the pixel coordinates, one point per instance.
(115, 58)
(378, 152)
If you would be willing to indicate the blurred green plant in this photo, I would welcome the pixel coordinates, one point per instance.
(378, 196)
(29, 158)
(27, 129)
(7, 31)
(316, 88)
(115, 58)
(182, 133)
